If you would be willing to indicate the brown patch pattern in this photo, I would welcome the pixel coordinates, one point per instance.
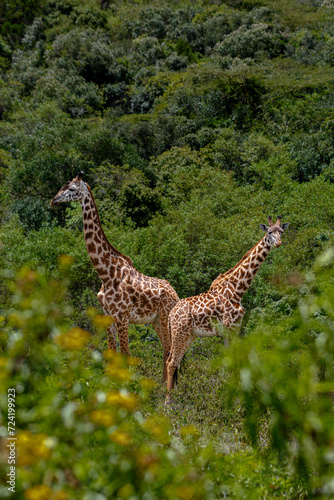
(126, 294)
(218, 311)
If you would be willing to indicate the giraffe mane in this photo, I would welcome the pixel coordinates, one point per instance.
(222, 277)
(117, 252)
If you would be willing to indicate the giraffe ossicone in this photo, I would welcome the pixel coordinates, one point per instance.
(127, 295)
(219, 310)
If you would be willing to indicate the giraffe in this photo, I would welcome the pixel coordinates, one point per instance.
(207, 314)
(127, 295)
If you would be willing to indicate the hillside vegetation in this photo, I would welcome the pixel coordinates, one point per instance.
(193, 121)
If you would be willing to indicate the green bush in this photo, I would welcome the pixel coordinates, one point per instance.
(69, 13)
(26, 69)
(328, 51)
(306, 46)
(258, 41)
(70, 398)
(129, 195)
(284, 374)
(87, 52)
(312, 153)
(15, 15)
(156, 22)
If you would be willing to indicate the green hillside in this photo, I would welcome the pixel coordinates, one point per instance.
(193, 121)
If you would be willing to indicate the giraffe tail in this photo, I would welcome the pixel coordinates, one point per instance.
(175, 376)
(176, 372)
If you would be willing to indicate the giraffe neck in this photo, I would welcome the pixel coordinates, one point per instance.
(105, 258)
(237, 280)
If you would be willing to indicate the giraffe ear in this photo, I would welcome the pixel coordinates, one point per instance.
(285, 225)
(263, 227)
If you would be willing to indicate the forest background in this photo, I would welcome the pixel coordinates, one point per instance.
(193, 121)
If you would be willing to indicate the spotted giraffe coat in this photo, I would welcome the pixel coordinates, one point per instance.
(127, 295)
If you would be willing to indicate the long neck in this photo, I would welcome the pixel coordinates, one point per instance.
(105, 258)
(237, 280)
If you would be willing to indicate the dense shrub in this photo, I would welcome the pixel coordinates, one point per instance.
(328, 51)
(34, 33)
(258, 41)
(156, 22)
(234, 98)
(284, 373)
(71, 92)
(26, 68)
(73, 13)
(306, 46)
(5, 54)
(147, 51)
(87, 52)
(312, 154)
(15, 15)
(69, 397)
(203, 137)
(126, 194)
(33, 213)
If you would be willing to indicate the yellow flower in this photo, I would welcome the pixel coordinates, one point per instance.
(194, 492)
(114, 357)
(158, 427)
(118, 365)
(43, 492)
(121, 374)
(102, 321)
(73, 340)
(27, 274)
(32, 447)
(126, 491)
(147, 383)
(59, 495)
(132, 361)
(26, 303)
(102, 417)
(121, 437)
(40, 492)
(65, 261)
(91, 312)
(4, 367)
(122, 399)
(189, 430)
(16, 320)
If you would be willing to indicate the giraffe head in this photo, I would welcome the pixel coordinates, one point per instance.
(275, 230)
(71, 191)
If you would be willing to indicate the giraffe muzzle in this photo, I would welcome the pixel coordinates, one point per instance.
(54, 201)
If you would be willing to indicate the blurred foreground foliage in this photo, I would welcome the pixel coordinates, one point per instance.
(284, 375)
(80, 429)
(89, 424)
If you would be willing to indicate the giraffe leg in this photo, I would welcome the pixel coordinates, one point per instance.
(122, 326)
(175, 358)
(166, 347)
(173, 364)
(164, 336)
(112, 337)
(182, 337)
(112, 330)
